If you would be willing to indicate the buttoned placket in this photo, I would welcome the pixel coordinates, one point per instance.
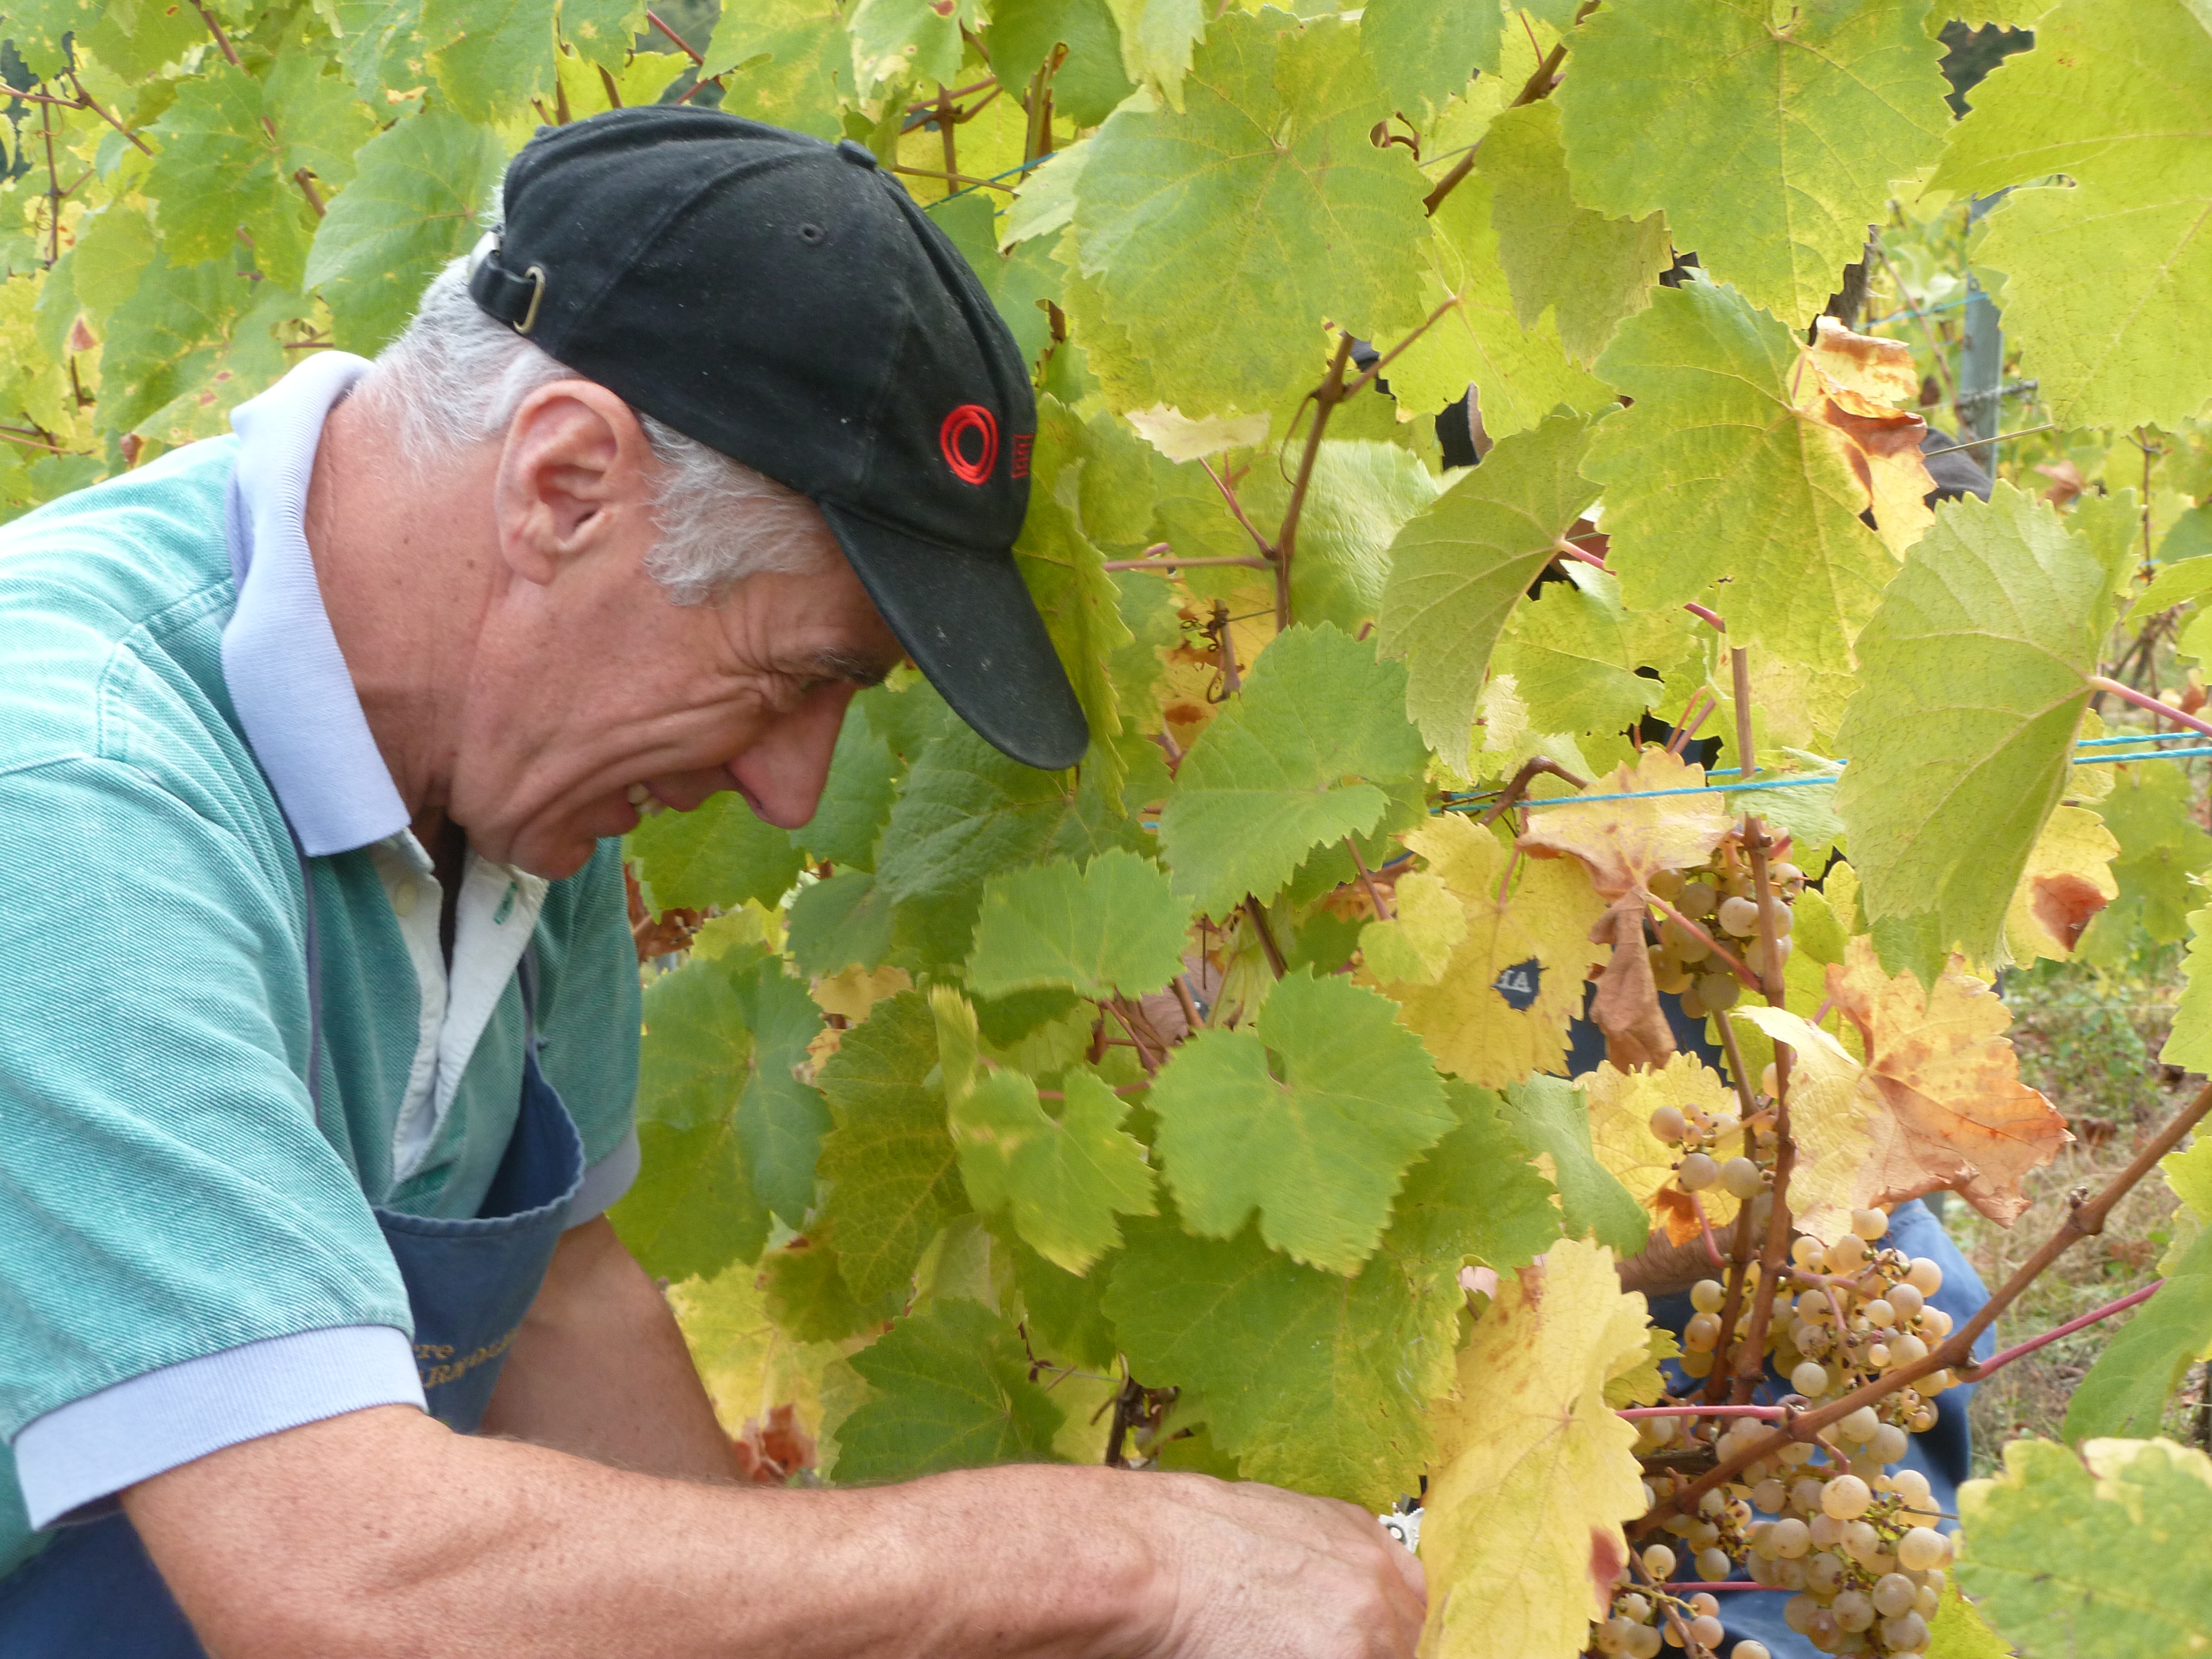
(494, 918)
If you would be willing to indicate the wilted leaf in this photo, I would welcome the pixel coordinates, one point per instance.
(1830, 1109)
(2068, 881)
(1625, 842)
(1954, 1112)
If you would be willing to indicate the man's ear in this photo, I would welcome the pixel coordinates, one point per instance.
(575, 465)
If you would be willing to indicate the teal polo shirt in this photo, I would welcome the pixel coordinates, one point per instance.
(188, 1259)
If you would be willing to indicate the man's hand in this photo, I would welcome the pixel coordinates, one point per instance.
(379, 1533)
(1260, 1572)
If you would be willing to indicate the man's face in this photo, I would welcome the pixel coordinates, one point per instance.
(589, 683)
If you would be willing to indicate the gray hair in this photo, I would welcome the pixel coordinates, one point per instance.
(453, 380)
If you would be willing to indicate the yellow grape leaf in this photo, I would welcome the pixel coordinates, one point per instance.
(1847, 385)
(1642, 1383)
(853, 991)
(1620, 1108)
(749, 1365)
(1954, 1112)
(1625, 843)
(1535, 1473)
(1536, 939)
(2190, 1175)
(1830, 1110)
(2068, 880)
(1415, 945)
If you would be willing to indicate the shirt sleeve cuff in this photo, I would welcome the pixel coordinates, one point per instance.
(84, 1453)
(604, 1183)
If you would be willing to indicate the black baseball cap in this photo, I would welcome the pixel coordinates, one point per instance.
(786, 302)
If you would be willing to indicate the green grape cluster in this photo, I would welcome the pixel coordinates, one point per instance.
(1642, 1620)
(1720, 896)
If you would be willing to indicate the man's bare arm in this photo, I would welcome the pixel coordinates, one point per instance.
(600, 1369)
(380, 1533)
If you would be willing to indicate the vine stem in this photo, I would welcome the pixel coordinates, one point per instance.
(1170, 565)
(1764, 1414)
(1531, 768)
(1326, 396)
(215, 29)
(1727, 958)
(1229, 494)
(950, 177)
(1274, 951)
(1537, 86)
(2144, 699)
(2084, 1219)
(1367, 880)
(1998, 1361)
(682, 45)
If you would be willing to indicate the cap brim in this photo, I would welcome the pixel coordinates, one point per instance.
(967, 620)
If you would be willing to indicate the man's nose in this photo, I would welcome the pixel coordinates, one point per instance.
(782, 774)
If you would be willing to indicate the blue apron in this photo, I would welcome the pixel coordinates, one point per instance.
(94, 1593)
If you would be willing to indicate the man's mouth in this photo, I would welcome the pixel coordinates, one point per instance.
(646, 803)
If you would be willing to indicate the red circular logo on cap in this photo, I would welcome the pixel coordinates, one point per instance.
(952, 438)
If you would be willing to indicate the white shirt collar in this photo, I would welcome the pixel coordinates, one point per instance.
(288, 679)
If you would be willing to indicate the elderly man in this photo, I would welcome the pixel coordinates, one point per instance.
(320, 1021)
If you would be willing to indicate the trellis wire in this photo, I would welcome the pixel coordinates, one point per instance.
(1471, 802)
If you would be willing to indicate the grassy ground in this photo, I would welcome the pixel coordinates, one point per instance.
(2089, 1042)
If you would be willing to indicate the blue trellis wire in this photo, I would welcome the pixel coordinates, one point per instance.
(1473, 803)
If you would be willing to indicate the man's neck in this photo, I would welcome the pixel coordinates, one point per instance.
(403, 563)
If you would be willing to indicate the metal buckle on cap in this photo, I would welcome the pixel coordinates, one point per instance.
(536, 275)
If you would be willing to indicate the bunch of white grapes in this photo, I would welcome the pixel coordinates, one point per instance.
(1720, 897)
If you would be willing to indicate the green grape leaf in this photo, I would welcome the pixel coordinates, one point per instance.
(722, 1038)
(949, 1389)
(2190, 1043)
(1573, 653)
(1264, 784)
(856, 801)
(1157, 36)
(381, 50)
(1112, 928)
(1063, 1180)
(893, 39)
(1089, 81)
(601, 31)
(161, 339)
(785, 62)
(1424, 53)
(2125, 1391)
(2094, 1557)
(1312, 1381)
(1362, 492)
(717, 857)
(1714, 473)
(1311, 1117)
(967, 812)
(412, 206)
(492, 57)
(1459, 567)
(1590, 271)
(1972, 681)
(808, 1296)
(1183, 216)
(1315, 1381)
(692, 1210)
(2105, 276)
(1548, 1116)
(221, 169)
(39, 30)
(1769, 139)
(893, 1170)
(843, 922)
(1520, 374)
(2151, 811)
(1065, 1313)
